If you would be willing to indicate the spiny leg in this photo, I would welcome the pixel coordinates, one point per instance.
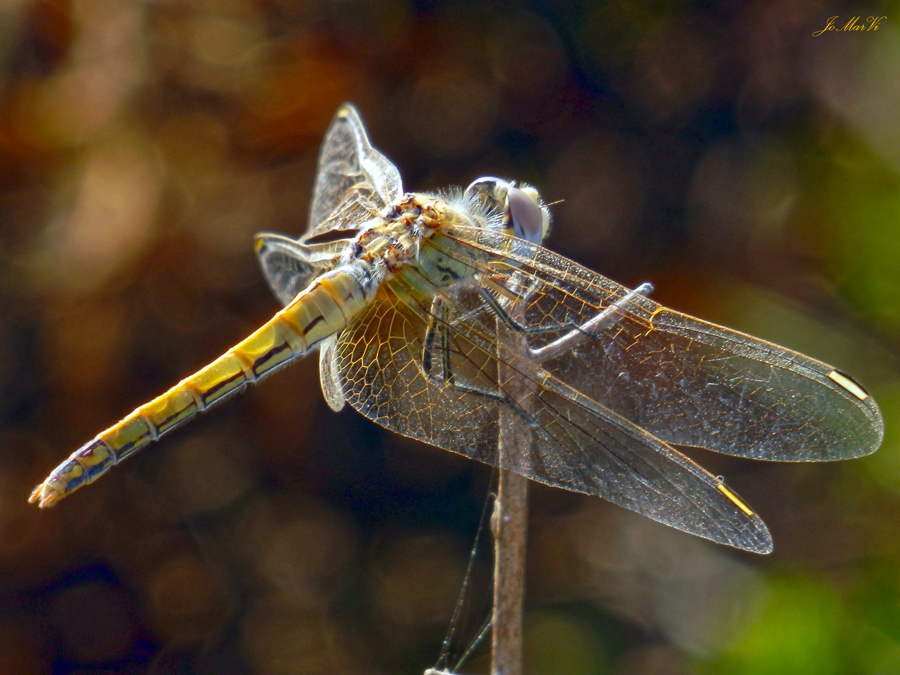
(428, 346)
(436, 337)
(605, 318)
(438, 332)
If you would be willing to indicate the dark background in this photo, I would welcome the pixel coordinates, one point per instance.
(747, 168)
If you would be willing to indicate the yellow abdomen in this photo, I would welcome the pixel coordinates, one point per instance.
(324, 308)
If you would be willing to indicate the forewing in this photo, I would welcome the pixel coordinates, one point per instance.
(353, 180)
(686, 381)
(577, 445)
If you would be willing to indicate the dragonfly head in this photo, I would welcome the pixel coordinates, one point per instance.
(522, 209)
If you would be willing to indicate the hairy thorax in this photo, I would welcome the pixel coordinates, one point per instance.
(398, 238)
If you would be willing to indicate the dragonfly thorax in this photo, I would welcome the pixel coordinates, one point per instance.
(395, 238)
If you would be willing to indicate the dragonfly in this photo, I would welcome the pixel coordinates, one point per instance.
(432, 313)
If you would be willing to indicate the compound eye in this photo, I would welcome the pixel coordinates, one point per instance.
(526, 215)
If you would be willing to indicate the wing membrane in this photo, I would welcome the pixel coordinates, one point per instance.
(329, 377)
(578, 445)
(686, 381)
(353, 179)
(290, 266)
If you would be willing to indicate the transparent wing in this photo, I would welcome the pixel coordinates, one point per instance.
(329, 376)
(353, 180)
(686, 381)
(578, 445)
(290, 265)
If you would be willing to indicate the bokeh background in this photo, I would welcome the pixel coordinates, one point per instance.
(747, 168)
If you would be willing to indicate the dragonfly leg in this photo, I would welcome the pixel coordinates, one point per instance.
(437, 337)
(436, 329)
(609, 316)
(428, 346)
